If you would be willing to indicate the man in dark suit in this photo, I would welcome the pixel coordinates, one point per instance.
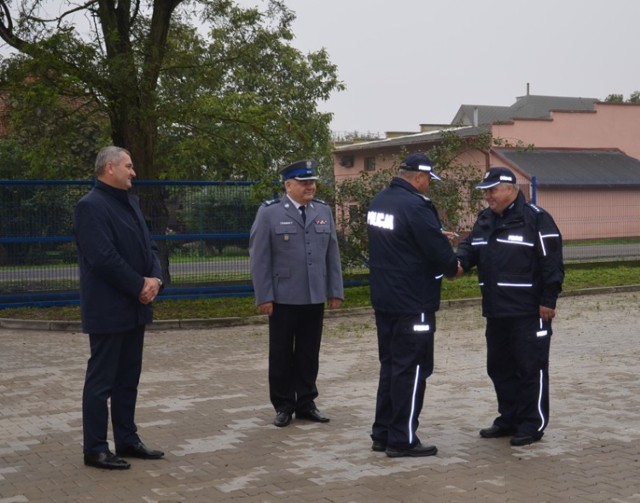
(295, 267)
(120, 276)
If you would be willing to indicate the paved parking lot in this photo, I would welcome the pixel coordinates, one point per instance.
(204, 400)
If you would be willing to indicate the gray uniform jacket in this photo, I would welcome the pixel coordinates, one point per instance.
(292, 263)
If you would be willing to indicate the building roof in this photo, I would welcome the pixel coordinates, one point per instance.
(466, 124)
(575, 168)
(481, 114)
(526, 107)
(414, 139)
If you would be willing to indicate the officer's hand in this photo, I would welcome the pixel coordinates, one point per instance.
(266, 308)
(546, 313)
(451, 235)
(458, 273)
(334, 303)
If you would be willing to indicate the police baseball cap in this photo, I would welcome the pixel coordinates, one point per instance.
(495, 176)
(419, 162)
(300, 170)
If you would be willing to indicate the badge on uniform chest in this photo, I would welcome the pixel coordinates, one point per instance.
(286, 237)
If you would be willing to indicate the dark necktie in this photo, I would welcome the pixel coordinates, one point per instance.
(304, 215)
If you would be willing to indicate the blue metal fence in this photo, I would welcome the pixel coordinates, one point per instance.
(204, 233)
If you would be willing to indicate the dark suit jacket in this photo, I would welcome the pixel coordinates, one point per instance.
(115, 252)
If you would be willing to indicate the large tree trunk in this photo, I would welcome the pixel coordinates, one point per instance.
(139, 139)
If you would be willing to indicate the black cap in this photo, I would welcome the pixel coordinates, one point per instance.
(419, 162)
(495, 176)
(300, 170)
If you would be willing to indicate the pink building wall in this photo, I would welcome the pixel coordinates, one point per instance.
(579, 213)
(609, 126)
(593, 213)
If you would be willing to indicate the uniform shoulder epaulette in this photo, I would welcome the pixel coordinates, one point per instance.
(270, 202)
(535, 208)
(320, 201)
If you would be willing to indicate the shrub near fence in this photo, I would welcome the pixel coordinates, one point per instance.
(206, 239)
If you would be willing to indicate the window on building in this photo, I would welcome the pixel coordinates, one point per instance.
(369, 163)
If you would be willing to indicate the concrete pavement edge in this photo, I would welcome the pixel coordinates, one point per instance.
(207, 323)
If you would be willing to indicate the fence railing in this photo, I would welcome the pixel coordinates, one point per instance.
(202, 230)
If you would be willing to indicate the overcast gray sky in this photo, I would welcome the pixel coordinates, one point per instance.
(407, 62)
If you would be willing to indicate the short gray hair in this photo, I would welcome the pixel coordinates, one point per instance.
(407, 174)
(106, 155)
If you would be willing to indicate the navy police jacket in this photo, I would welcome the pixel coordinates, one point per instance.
(408, 254)
(115, 253)
(519, 260)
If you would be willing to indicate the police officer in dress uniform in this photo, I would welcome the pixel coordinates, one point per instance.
(408, 255)
(517, 248)
(295, 268)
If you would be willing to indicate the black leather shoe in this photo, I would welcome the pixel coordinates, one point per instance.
(378, 446)
(518, 439)
(417, 451)
(139, 450)
(313, 415)
(495, 431)
(282, 419)
(106, 460)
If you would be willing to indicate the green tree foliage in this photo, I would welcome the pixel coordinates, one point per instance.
(54, 131)
(236, 102)
(454, 196)
(250, 105)
(614, 98)
(634, 97)
(12, 163)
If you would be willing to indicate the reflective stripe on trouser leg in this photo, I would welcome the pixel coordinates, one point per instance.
(413, 404)
(543, 421)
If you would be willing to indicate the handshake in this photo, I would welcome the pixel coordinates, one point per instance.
(451, 236)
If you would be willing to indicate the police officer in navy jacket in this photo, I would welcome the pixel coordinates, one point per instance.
(295, 268)
(408, 255)
(120, 276)
(517, 249)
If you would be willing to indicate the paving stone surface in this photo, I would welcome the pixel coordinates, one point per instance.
(204, 400)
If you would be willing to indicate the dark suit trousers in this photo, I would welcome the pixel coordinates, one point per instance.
(295, 332)
(113, 371)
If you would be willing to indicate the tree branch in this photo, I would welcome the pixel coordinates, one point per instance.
(6, 28)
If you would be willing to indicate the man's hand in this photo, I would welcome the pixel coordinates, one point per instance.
(458, 273)
(334, 303)
(450, 235)
(266, 308)
(149, 291)
(546, 313)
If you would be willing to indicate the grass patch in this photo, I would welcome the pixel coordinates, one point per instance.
(578, 277)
